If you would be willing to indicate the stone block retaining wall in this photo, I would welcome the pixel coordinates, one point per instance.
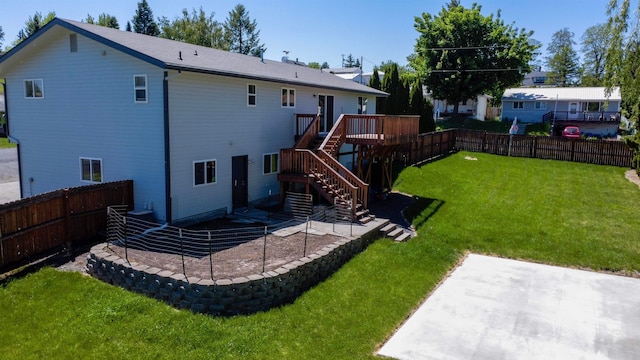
(227, 297)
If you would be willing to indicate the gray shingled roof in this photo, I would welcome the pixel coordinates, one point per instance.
(176, 55)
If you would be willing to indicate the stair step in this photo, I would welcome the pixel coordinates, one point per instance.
(404, 236)
(388, 228)
(395, 233)
(362, 213)
(366, 219)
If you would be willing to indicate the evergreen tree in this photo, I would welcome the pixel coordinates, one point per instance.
(374, 82)
(128, 28)
(33, 24)
(561, 62)
(143, 22)
(1, 36)
(325, 65)
(419, 105)
(391, 84)
(241, 33)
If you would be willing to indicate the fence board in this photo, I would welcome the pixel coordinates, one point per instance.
(601, 152)
(33, 226)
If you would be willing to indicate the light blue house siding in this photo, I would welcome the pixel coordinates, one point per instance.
(199, 113)
(527, 114)
(210, 119)
(87, 110)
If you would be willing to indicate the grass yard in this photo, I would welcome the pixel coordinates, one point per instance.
(548, 211)
(4, 143)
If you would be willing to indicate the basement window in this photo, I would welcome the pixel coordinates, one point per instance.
(91, 170)
(270, 163)
(204, 172)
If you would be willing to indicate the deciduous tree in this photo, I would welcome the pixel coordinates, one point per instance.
(594, 47)
(197, 28)
(106, 20)
(241, 33)
(461, 53)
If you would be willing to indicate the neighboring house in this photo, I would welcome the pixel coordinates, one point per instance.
(354, 74)
(535, 78)
(589, 108)
(472, 107)
(199, 130)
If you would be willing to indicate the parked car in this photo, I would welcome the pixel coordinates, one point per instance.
(571, 132)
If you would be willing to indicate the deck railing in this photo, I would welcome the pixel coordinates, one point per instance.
(361, 186)
(303, 161)
(594, 116)
(307, 129)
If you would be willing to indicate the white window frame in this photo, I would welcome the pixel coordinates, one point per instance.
(289, 93)
(205, 182)
(362, 104)
(136, 88)
(91, 170)
(270, 156)
(33, 88)
(540, 105)
(251, 95)
(518, 105)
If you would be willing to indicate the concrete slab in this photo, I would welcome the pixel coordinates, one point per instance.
(493, 308)
(9, 191)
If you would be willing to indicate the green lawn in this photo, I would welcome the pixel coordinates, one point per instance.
(4, 143)
(548, 211)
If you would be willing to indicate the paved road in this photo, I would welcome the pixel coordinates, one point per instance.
(8, 165)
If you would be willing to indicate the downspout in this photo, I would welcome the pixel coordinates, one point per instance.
(12, 139)
(167, 157)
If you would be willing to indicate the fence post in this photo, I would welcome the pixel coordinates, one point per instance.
(210, 254)
(182, 253)
(573, 149)
(67, 219)
(306, 232)
(264, 249)
(126, 246)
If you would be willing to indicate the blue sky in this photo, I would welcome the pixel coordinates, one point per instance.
(321, 31)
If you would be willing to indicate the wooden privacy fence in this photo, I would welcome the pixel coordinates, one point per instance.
(601, 152)
(428, 146)
(34, 226)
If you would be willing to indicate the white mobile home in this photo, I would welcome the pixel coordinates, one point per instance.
(199, 130)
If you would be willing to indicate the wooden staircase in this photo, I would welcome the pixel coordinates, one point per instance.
(313, 159)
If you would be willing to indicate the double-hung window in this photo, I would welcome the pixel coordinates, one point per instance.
(270, 163)
(140, 89)
(91, 170)
(251, 95)
(204, 172)
(288, 97)
(518, 104)
(34, 89)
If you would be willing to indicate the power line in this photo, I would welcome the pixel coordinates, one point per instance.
(472, 70)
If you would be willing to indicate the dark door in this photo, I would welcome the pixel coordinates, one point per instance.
(325, 110)
(239, 181)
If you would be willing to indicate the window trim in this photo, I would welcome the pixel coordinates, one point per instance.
(270, 155)
(521, 107)
(204, 183)
(91, 172)
(136, 88)
(289, 92)
(254, 95)
(540, 105)
(33, 90)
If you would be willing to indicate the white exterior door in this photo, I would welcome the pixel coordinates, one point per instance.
(574, 110)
